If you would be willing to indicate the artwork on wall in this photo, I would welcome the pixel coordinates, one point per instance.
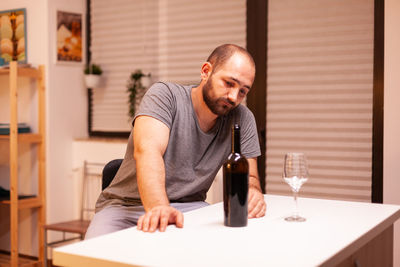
(13, 36)
(69, 37)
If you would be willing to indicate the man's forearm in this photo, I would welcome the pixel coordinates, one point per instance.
(254, 182)
(151, 179)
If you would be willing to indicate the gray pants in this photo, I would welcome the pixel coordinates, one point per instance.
(115, 218)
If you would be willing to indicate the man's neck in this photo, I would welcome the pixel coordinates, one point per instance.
(204, 115)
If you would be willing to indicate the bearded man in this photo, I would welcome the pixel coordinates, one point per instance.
(180, 139)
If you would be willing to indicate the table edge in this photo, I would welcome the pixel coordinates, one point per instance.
(68, 259)
(361, 241)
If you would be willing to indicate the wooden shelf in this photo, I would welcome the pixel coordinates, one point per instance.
(14, 72)
(26, 203)
(23, 72)
(24, 138)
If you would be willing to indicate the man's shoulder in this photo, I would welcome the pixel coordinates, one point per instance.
(242, 110)
(173, 87)
(170, 90)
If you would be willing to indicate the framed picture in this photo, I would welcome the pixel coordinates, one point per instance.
(69, 37)
(13, 36)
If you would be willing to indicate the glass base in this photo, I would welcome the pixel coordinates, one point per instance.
(295, 218)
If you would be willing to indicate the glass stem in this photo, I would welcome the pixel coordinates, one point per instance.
(296, 211)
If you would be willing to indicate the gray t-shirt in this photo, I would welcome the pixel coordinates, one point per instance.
(192, 157)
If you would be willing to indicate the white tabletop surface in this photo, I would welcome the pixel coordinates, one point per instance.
(332, 232)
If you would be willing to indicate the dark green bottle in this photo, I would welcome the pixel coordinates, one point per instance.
(236, 184)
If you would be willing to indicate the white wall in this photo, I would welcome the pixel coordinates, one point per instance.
(67, 117)
(391, 166)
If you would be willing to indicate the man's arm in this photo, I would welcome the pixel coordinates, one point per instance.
(150, 137)
(256, 203)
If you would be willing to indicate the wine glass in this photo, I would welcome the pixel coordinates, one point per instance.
(295, 173)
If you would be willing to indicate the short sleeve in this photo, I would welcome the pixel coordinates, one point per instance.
(250, 145)
(159, 102)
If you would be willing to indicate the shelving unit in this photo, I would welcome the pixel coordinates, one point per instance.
(14, 138)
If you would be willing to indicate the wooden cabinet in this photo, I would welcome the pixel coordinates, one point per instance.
(14, 139)
(377, 252)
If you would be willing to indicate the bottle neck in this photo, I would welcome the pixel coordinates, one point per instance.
(236, 139)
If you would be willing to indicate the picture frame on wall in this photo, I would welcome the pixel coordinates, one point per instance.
(69, 37)
(13, 38)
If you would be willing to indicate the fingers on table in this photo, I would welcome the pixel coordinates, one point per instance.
(164, 219)
(257, 207)
(252, 203)
(154, 220)
(146, 221)
(178, 219)
(160, 218)
(140, 222)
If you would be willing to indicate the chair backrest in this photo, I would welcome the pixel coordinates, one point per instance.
(96, 177)
(109, 172)
(91, 188)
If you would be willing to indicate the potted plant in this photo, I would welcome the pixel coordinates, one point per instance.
(137, 86)
(93, 75)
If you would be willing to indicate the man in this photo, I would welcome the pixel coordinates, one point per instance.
(180, 138)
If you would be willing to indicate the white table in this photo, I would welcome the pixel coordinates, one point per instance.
(335, 232)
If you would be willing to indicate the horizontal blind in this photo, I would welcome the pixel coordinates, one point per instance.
(168, 38)
(192, 29)
(319, 95)
(123, 39)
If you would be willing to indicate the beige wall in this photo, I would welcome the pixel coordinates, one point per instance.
(391, 167)
(67, 117)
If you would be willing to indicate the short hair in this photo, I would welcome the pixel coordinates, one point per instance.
(222, 53)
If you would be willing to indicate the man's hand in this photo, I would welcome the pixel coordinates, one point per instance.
(256, 203)
(160, 217)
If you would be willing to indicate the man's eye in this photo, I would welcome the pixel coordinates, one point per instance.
(242, 91)
(229, 84)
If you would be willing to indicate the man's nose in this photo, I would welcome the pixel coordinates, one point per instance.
(233, 95)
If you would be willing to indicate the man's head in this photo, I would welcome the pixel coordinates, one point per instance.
(227, 77)
(222, 53)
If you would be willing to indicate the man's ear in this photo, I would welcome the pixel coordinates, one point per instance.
(206, 70)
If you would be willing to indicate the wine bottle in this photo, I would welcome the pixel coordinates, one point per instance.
(235, 184)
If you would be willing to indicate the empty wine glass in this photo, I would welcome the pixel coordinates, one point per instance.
(295, 173)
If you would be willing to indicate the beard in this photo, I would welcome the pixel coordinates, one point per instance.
(219, 106)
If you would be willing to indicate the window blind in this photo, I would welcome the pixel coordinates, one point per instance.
(192, 29)
(168, 38)
(319, 95)
(123, 38)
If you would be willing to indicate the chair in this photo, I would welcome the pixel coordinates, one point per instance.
(109, 172)
(91, 175)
